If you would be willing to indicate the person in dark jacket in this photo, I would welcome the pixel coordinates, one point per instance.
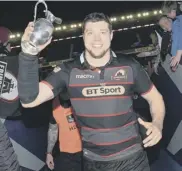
(9, 101)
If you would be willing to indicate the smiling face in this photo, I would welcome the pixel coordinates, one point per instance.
(97, 38)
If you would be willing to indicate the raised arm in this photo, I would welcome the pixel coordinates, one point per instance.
(31, 92)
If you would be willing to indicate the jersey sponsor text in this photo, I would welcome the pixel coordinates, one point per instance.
(103, 91)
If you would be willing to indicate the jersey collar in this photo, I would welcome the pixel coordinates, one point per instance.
(85, 63)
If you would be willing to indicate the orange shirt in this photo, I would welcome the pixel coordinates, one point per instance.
(69, 136)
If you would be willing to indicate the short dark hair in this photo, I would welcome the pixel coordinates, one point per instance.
(96, 17)
(159, 18)
(164, 17)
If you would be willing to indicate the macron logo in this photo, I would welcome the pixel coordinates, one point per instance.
(87, 76)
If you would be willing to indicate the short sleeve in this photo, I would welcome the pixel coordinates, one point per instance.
(57, 80)
(142, 81)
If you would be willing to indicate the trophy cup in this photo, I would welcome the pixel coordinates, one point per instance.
(43, 29)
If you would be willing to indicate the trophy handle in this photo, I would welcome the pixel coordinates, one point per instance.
(35, 9)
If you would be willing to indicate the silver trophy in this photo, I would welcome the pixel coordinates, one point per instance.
(43, 30)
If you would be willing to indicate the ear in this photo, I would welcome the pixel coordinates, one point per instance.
(111, 35)
(83, 37)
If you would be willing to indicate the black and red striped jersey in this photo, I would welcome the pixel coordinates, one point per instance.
(102, 103)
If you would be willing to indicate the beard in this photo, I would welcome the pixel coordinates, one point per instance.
(99, 56)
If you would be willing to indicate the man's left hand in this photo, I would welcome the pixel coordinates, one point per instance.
(154, 133)
(175, 61)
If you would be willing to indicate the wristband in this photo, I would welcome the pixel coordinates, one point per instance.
(49, 153)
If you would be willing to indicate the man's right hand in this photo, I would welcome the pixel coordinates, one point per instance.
(50, 161)
(26, 37)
